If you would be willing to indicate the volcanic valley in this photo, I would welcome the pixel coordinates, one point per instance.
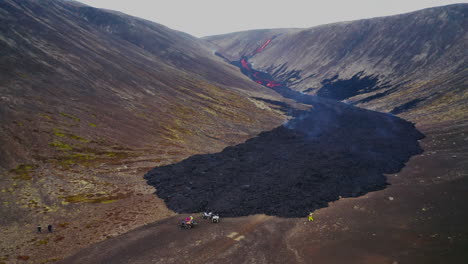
(114, 128)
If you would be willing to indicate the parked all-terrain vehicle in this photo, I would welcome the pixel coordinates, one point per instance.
(187, 225)
(207, 215)
(215, 219)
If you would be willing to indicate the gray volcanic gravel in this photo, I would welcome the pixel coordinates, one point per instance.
(330, 151)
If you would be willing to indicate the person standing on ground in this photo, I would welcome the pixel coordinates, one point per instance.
(49, 227)
(311, 218)
(189, 220)
(39, 229)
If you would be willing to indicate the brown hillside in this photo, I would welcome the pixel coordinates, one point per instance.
(92, 99)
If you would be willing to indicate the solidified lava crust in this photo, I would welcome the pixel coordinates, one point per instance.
(330, 151)
(333, 150)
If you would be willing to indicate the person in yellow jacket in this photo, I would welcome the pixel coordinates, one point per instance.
(311, 218)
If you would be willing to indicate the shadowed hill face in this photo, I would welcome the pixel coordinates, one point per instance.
(382, 63)
(331, 151)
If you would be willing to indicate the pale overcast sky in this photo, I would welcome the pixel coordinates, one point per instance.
(210, 17)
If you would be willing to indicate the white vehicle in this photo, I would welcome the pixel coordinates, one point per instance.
(207, 215)
(215, 219)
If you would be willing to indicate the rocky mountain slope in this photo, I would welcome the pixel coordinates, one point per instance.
(58, 51)
(390, 64)
(90, 100)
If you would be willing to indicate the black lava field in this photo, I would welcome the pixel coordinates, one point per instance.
(330, 151)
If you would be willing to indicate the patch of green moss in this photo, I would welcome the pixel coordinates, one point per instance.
(71, 117)
(60, 145)
(23, 172)
(108, 201)
(77, 199)
(92, 124)
(82, 157)
(42, 242)
(176, 131)
(52, 260)
(58, 132)
(90, 198)
(87, 157)
(77, 158)
(106, 154)
(116, 154)
(33, 204)
(77, 138)
(45, 116)
(64, 225)
(65, 163)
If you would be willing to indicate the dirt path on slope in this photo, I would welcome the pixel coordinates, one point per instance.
(164, 242)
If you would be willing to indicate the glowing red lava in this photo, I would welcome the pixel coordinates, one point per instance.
(259, 77)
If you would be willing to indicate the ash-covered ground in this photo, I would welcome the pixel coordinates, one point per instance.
(330, 151)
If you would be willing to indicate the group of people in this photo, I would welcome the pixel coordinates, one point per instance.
(205, 215)
(39, 228)
(215, 218)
